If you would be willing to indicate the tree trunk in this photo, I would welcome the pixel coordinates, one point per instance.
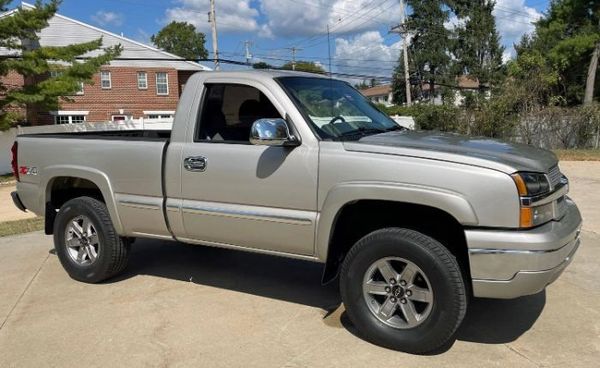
(591, 77)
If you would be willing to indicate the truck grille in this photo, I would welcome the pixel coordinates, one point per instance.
(554, 175)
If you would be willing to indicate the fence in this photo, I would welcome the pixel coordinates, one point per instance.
(8, 137)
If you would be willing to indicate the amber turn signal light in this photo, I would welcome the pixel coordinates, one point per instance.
(521, 187)
(526, 218)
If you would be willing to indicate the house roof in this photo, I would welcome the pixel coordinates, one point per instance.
(464, 81)
(382, 90)
(63, 31)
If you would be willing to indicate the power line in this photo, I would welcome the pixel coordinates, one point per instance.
(356, 26)
(336, 25)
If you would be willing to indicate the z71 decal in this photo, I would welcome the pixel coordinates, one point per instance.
(24, 170)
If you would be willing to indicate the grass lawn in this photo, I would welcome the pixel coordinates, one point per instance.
(21, 226)
(578, 154)
(6, 178)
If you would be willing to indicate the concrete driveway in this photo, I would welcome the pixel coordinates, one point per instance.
(8, 211)
(180, 305)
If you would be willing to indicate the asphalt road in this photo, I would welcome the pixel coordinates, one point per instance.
(180, 305)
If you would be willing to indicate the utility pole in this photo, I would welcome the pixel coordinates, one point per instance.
(294, 50)
(247, 45)
(329, 50)
(402, 30)
(212, 19)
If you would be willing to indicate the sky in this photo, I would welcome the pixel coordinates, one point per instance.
(359, 42)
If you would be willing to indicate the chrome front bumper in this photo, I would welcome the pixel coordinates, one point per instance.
(507, 264)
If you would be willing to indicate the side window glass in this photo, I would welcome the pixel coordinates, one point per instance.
(229, 110)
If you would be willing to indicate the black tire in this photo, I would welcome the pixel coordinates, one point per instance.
(441, 268)
(112, 250)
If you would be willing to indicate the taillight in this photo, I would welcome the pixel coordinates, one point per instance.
(14, 163)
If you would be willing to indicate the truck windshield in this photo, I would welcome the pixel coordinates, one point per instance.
(336, 110)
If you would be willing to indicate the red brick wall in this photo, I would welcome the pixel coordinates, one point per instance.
(124, 95)
(10, 81)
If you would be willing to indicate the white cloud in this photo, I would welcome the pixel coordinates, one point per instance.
(366, 53)
(343, 16)
(453, 22)
(513, 20)
(105, 18)
(232, 15)
(265, 32)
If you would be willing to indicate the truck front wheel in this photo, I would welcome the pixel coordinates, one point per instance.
(86, 242)
(403, 290)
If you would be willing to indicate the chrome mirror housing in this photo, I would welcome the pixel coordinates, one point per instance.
(272, 132)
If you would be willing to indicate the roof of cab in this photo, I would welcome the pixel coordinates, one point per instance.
(263, 73)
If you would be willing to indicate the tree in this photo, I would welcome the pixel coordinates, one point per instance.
(591, 76)
(362, 85)
(565, 39)
(181, 39)
(41, 91)
(476, 48)
(262, 65)
(430, 45)
(305, 66)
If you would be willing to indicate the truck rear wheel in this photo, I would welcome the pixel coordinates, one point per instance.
(403, 290)
(86, 242)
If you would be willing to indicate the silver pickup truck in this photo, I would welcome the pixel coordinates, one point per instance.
(410, 224)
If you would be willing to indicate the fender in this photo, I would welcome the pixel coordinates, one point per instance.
(95, 176)
(346, 193)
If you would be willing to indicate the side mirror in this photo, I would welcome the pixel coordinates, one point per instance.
(272, 132)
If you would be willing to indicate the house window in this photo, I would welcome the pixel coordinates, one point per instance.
(159, 115)
(62, 119)
(77, 119)
(142, 80)
(105, 80)
(80, 90)
(162, 84)
(69, 119)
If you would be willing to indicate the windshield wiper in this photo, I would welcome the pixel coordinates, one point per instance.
(396, 127)
(360, 132)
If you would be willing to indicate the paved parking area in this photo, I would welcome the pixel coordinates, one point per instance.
(180, 305)
(8, 211)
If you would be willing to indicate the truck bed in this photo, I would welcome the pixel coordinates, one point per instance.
(137, 135)
(126, 165)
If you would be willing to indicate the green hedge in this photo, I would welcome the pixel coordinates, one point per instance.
(548, 127)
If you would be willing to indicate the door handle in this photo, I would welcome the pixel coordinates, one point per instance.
(195, 164)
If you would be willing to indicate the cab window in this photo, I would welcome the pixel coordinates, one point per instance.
(229, 110)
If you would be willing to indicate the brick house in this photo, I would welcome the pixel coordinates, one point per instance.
(149, 86)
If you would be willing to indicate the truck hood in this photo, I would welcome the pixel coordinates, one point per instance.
(484, 152)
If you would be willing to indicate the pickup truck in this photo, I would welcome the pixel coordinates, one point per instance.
(410, 224)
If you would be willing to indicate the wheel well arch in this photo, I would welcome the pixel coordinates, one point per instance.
(359, 218)
(61, 189)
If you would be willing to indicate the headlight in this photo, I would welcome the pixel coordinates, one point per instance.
(531, 185)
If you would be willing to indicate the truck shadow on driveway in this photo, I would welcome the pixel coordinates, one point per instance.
(488, 321)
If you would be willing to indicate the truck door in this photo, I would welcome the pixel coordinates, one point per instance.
(238, 194)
